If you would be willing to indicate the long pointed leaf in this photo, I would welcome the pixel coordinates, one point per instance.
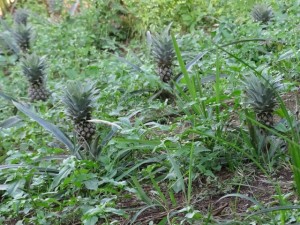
(201, 54)
(151, 160)
(11, 166)
(4, 187)
(61, 136)
(179, 176)
(62, 174)
(10, 122)
(196, 59)
(134, 218)
(15, 188)
(242, 196)
(105, 122)
(144, 197)
(134, 66)
(6, 97)
(273, 209)
(40, 169)
(55, 157)
(108, 137)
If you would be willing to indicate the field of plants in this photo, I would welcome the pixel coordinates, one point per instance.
(150, 112)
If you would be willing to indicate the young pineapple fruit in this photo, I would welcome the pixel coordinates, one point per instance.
(34, 69)
(79, 100)
(262, 13)
(23, 36)
(163, 53)
(261, 95)
(21, 16)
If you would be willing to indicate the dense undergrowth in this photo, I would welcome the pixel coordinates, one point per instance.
(218, 144)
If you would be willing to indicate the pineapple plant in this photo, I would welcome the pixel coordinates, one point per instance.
(23, 36)
(21, 16)
(163, 53)
(34, 69)
(262, 13)
(79, 100)
(261, 95)
(8, 44)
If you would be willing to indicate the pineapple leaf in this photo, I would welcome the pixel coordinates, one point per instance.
(63, 173)
(6, 97)
(24, 35)
(108, 137)
(261, 93)
(5, 25)
(79, 100)
(10, 122)
(21, 16)
(8, 43)
(60, 135)
(134, 66)
(202, 54)
(94, 147)
(105, 122)
(34, 68)
(40, 169)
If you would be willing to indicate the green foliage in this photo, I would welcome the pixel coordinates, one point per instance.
(21, 16)
(153, 160)
(8, 44)
(34, 68)
(23, 34)
(55, 6)
(108, 22)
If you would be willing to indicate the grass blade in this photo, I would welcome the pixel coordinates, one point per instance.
(151, 160)
(134, 218)
(187, 79)
(141, 192)
(62, 174)
(273, 209)
(242, 196)
(180, 180)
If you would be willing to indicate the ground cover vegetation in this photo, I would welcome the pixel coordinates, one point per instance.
(150, 112)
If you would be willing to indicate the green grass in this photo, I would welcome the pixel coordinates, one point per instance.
(197, 158)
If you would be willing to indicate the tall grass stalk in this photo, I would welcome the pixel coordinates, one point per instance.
(217, 86)
(190, 181)
(194, 88)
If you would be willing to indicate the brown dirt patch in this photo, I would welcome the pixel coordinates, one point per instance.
(207, 194)
(257, 186)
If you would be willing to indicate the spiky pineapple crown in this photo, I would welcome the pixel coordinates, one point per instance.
(261, 92)
(21, 16)
(262, 13)
(162, 47)
(23, 36)
(79, 100)
(34, 68)
(8, 43)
